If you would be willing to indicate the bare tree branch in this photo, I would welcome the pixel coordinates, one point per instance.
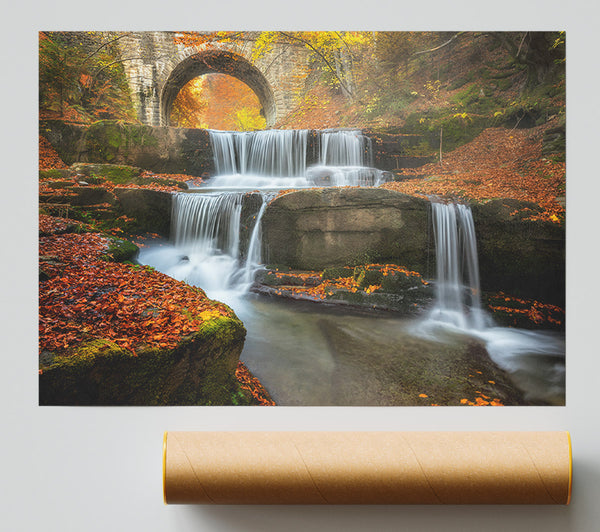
(100, 48)
(440, 46)
(325, 60)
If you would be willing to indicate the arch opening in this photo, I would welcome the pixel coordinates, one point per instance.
(217, 62)
(217, 101)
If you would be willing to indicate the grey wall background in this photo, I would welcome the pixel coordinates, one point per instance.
(99, 469)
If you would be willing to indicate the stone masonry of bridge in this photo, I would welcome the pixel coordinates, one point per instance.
(157, 69)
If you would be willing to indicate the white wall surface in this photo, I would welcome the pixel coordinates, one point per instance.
(99, 469)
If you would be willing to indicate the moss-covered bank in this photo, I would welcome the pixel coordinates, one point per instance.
(160, 149)
(199, 371)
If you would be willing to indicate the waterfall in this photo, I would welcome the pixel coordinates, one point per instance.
(277, 158)
(271, 153)
(533, 359)
(345, 148)
(457, 285)
(346, 159)
(253, 259)
(207, 223)
(207, 239)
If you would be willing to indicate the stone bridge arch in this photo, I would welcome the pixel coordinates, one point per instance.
(218, 60)
(157, 69)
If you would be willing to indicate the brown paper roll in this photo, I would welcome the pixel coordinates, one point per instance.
(367, 467)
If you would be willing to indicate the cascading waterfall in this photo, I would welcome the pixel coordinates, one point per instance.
(346, 159)
(345, 148)
(206, 244)
(259, 159)
(253, 259)
(206, 226)
(278, 159)
(206, 252)
(534, 359)
(457, 286)
(207, 223)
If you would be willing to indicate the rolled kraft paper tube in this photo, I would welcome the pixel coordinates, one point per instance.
(367, 467)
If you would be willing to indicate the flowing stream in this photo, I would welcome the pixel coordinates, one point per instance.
(535, 360)
(307, 354)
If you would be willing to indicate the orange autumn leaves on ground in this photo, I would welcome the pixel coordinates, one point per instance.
(322, 288)
(53, 224)
(87, 298)
(499, 163)
(535, 311)
(480, 399)
(250, 383)
(48, 158)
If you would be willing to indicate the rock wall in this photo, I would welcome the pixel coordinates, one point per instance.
(318, 228)
(323, 228)
(188, 151)
(89, 191)
(150, 208)
(159, 149)
(518, 255)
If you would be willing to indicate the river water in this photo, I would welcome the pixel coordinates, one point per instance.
(312, 354)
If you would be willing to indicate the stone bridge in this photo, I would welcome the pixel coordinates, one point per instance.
(157, 69)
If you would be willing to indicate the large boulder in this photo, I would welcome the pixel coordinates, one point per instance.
(320, 228)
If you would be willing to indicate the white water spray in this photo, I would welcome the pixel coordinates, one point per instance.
(275, 159)
(269, 153)
(534, 359)
(457, 285)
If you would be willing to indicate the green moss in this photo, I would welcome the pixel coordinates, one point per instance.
(366, 277)
(397, 282)
(140, 135)
(337, 273)
(199, 371)
(122, 250)
(106, 139)
(119, 174)
(103, 140)
(54, 173)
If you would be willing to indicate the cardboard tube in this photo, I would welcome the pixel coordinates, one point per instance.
(367, 468)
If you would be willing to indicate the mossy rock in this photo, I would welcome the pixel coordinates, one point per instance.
(409, 302)
(398, 282)
(199, 371)
(517, 255)
(150, 208)
(366, 277)
(91, 195)
(338, 273)
(269, 278)
(105, 138)
(287, 278)
(121, 250)
(59, 185)
(55, 173)
(116, 173)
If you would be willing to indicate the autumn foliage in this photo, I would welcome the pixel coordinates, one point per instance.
(48, 158)
(250, 383)
(217, 101)
(499, 163)
(87, 297)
